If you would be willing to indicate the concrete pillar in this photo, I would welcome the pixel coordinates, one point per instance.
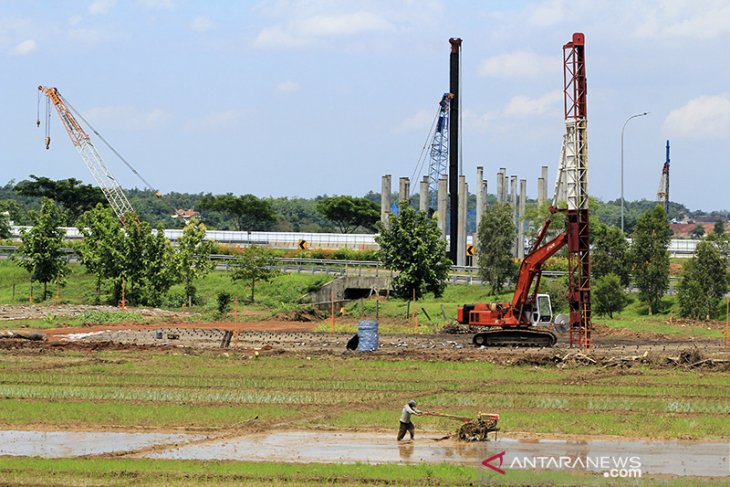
(485, 195)
(480, 195)
(541, 191)
(513, 194)
(441, 210)
(521, 220)
(385, 189)
(404, 190)
(513, 203)
(500, 186)
(505, 187)
(461, 224)
(423, 195)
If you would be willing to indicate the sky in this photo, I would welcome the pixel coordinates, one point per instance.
(303, 98)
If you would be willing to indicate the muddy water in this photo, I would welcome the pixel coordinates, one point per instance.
(670, 458)
(708, 459)
(57, 444)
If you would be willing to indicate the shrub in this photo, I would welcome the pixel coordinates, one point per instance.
(609, 296)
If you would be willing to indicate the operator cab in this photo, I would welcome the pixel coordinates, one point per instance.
(542, 315)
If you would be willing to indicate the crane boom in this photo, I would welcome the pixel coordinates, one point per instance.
(94, 163)
(439, 149)
(663, 193)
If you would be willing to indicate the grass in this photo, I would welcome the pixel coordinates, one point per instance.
(102, 471)
(286, 292)
(164, 390)
(178, 472)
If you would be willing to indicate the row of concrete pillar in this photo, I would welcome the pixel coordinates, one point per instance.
(506, 192)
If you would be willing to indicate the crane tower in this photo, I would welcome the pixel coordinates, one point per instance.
(439, 152)
(663, 193)
(574, 168)
(80, 139)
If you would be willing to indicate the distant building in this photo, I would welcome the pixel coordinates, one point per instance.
(185, 214)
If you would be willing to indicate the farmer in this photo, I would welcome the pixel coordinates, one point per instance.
(405, 419)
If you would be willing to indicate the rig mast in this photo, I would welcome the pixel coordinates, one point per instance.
(574, 166)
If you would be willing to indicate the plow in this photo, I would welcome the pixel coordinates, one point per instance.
(472, 429)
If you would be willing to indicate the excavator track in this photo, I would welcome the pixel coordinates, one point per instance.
(516, 337)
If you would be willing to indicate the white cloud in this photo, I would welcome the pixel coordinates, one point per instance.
(302, 32)
(288, 86)
(702, 117)
(202, 24)
(683, 19)
(25, 47)
(549, 13)
(100, 7)
(480, 122)
(216, 120)
(419, 122)
(157, 4)
(518, 107)
(519, 64)
(524, 106)
(125, 117)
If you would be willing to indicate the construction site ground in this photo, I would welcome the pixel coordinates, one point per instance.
(282, 392)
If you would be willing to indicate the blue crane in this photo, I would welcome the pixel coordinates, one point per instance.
(439, 149)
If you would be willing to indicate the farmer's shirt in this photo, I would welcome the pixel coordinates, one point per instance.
(405, 416)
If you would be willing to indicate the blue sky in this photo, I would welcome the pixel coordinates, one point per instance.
(301, 98)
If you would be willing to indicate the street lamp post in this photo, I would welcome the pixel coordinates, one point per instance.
(622, 164)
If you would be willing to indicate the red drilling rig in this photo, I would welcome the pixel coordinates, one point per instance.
(517, 323)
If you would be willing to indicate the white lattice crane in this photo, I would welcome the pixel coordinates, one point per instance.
(93, 160)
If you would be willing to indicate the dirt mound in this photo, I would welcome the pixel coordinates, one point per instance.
(306, 315)
(690, 357)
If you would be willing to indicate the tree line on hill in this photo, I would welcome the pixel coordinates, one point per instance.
(337, 214)
(133, 258)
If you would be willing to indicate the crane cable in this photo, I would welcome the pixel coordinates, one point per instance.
(131, 168)
(47, 133)
(422, 158)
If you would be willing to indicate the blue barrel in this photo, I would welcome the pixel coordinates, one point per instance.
(367, 331)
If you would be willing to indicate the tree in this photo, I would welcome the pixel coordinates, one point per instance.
(192, 256)
(160, 271)
(75, 197)
(348, 212)
(411, 244)
(704, 281)
(719, 227)
(609, 296)
(650, 257)
(496, 237)
(102, 248)
(698, 232)
(5, 225)
(255, 263)
(610, 253)
(40, 252)
(135, 260)
(251, 213)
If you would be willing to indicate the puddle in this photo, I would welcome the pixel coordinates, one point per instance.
(670, 458)
(57, 444)
(704, 459)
